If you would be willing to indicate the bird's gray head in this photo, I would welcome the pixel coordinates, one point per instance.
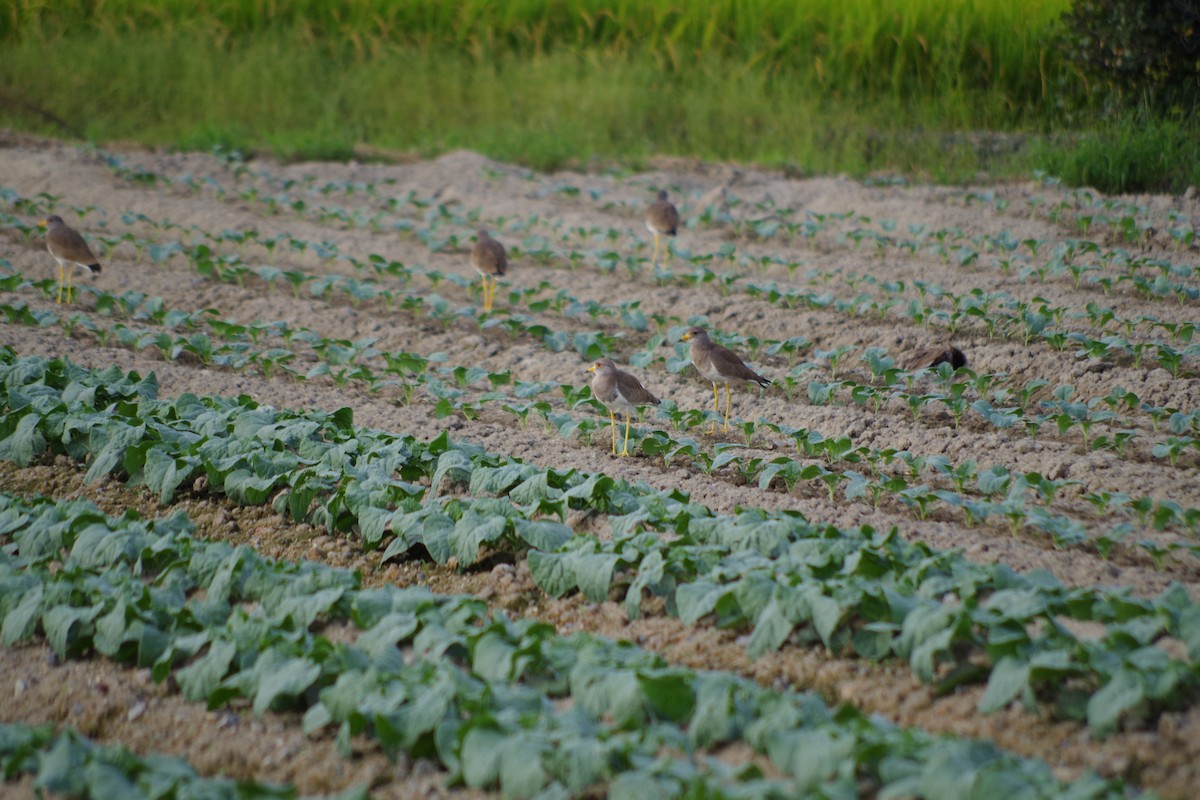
(695, 332)
(602, 365)
(662, 194)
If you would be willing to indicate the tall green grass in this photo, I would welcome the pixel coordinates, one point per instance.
(565, 107)
(896, 47)
(819, 85)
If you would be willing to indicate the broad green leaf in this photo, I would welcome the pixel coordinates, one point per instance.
(108, 445)
(454, 466)
(99, 546)
(1009, 678)
(811, 756)
(472, 530)
(303, 609)
(697, 598)
(521, 771)
(110, 630)
(60, 770)
(108, 782)
(543, 534)
(1124, 692)
(25, 443)
(492, 657)
(497, 480)
(649, 575)
(482, 749)
(277, 675)
(714, 719)
(594, 573)
(164, 472)
(21, 621)
(669, 694)
(243, 486)
(551, 572)
(65, 625)
(874, 640)
(771, 629)
(200, 679)
(535, 488)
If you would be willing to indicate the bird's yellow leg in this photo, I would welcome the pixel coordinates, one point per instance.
(726, 428)
(62, 283)
(70, 284)
(613, 419)
(716, 409)
(654, 258)
(625, 452)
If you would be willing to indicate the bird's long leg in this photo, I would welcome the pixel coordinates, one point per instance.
(62, 283)
(625, 452)
(613, 419)
(654, 258)
(70, 283)
(716, 409)
(487, 294)
(726, 428)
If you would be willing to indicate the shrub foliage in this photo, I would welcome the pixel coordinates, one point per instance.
(1136, 51)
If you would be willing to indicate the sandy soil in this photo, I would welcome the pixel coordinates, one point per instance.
(516, 203)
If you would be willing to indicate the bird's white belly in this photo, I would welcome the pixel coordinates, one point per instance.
(712, 374)
(619, 403)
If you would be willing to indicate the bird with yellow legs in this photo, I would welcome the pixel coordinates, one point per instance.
(719, 365)
(71, 252)
(619, 391)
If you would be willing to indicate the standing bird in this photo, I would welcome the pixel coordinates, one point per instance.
(662, 219)
(489, 259)
(930, 357)
(619, 391)
(720, 365)
(70, 251)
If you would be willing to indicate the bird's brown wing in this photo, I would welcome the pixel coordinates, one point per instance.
(66, 243)
(489, 257)
(633, 391)
(731, 366)
(663, 217)
(929, 357)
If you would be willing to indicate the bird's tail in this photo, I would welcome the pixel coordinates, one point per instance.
(94, 268)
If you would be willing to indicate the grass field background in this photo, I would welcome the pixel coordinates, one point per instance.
(859, 86)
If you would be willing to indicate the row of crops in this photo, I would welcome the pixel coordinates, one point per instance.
(860, 589)
(66, 764)
(496, 702)
(979, 493)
